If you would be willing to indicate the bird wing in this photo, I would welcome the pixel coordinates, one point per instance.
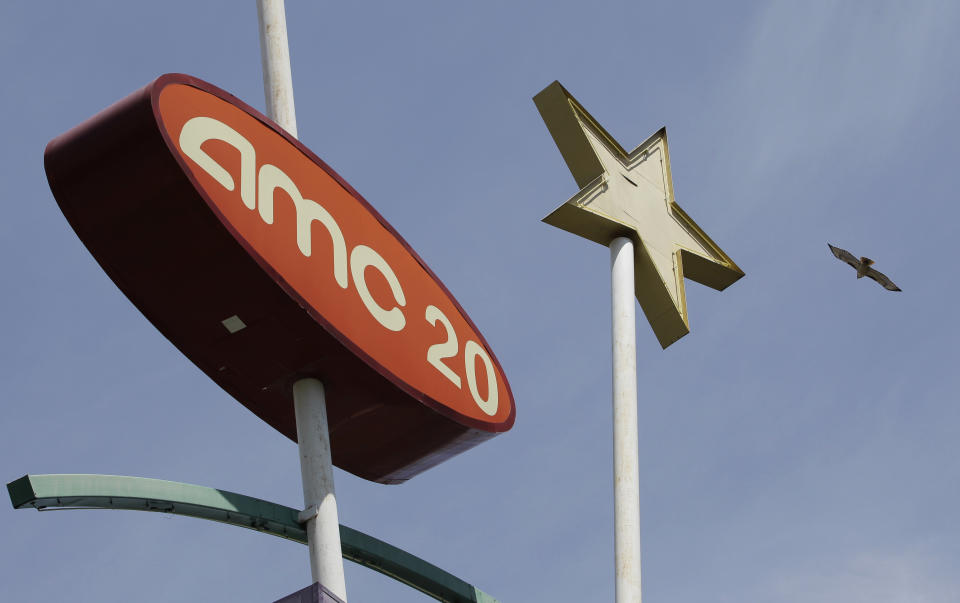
(882, 279)
(846, 256)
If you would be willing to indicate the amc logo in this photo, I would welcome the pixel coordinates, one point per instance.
(282, 270)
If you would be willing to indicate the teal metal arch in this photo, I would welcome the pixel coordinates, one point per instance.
(144, 494)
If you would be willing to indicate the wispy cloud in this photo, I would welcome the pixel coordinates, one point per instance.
(816, 74)
(867, 577)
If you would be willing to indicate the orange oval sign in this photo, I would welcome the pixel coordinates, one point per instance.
(320, 245)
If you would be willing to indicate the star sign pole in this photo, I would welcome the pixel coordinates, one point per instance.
(626, 203)
(313, 437)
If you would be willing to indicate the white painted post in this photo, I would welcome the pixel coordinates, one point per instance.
(319, 497)
(313, 437)
(626, 473)
(275, 57)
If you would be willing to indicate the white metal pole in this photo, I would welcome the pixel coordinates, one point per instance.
(319, 497)
(313, 437)
(275, 57)
(626, 473)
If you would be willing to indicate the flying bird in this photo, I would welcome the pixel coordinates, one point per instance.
(862, 266)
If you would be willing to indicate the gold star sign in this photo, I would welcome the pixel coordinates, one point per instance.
(631, 195)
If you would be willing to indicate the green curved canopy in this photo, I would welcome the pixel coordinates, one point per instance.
(144, 494)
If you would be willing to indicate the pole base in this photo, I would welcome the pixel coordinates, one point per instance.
(315, 593)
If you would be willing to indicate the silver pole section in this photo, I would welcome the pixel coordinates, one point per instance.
(275, 57)
(626, 473)
(313, 437)
(319, 497)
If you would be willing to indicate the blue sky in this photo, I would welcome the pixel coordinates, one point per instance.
(799, 445)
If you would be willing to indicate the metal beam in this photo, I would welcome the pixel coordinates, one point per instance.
(144, 494)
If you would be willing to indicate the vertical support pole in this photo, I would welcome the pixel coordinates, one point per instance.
(319, 497)
(313, 437)
(626, 472)
(275, 57)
